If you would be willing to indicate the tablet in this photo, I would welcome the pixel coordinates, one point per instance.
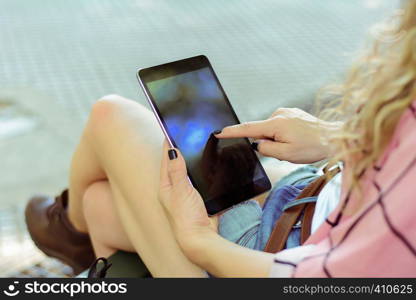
(190, 105)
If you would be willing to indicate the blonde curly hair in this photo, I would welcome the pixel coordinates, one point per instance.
(379, 87)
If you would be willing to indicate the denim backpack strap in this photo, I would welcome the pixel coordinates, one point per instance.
(273, 208)
(301, 230)
(283, 228)
(293, 213)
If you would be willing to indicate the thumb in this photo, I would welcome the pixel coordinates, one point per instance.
(273, 149)
(177, 173)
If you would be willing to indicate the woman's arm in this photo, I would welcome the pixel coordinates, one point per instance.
(223, 258)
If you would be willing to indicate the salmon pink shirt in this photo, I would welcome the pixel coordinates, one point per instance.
(379, 239)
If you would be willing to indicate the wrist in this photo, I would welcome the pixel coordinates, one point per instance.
(197, 245)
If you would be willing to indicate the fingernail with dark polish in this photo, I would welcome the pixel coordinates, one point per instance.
(172, 154)
(217, 132)
(254, 146)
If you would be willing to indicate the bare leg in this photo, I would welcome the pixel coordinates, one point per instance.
(122, 143)
(104, 227)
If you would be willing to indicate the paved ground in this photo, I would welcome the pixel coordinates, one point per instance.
(58, 56)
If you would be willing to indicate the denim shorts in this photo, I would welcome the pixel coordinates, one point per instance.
(250, 225)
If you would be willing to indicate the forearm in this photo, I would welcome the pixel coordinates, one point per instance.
(223, 258)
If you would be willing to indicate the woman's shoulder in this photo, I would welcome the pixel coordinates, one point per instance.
(399, 160)
(404, 137)
(407, 125)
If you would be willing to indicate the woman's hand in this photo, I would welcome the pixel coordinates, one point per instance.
(289, 134)
(197, 234)
(183, 203)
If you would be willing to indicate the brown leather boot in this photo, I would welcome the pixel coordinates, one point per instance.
(51, 230)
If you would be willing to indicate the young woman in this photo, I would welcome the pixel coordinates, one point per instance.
(119, 199)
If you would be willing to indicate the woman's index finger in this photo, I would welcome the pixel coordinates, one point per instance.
(254, 129)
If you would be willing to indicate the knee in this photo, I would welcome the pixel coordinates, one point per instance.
(106, 108)
(110, 112)
(104, 115)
